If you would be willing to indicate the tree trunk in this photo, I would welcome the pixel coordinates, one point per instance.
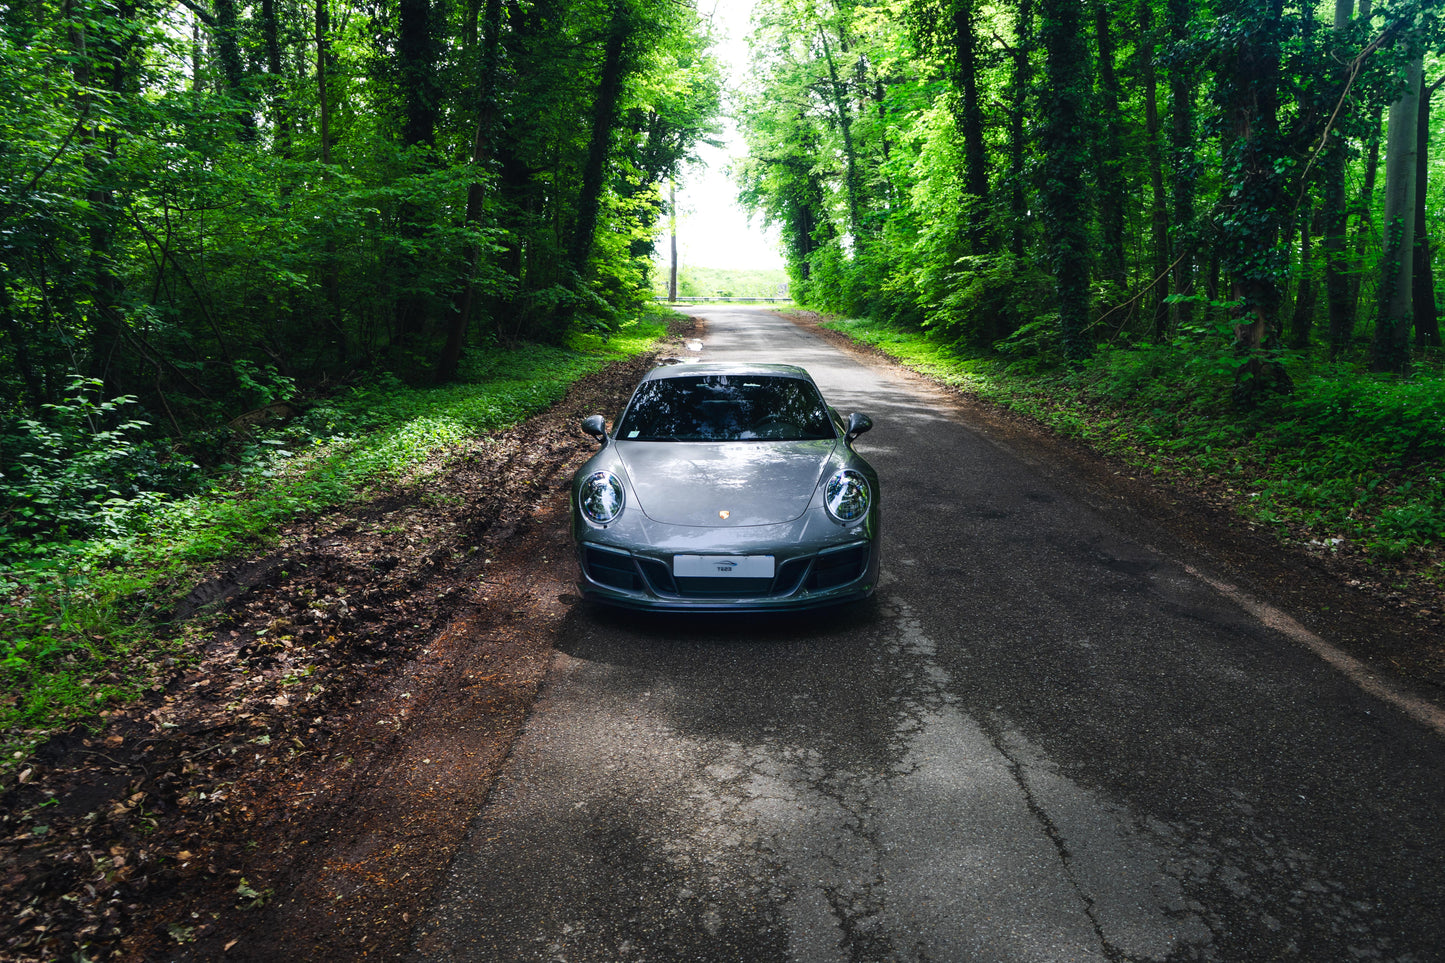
(1391, 350)
(604, 118)
(323, 68)
(101, 61)
(1065, 146)
(1159, 206)
(280, 107)
(1182, 160)
(228, 51)
(1302, 320)
(965, 84)
(488, 110)
(331, 268)
(672, 235)
(1249, 219)
(1018, 115)
(1109, 190)
(417, 51)
(1427, 313)
(1336, 210)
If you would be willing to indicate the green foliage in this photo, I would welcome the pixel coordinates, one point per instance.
(77, 629)
(1118, 164)
(201, 243)
(1347, 462)
(994, 300)
(83, 468)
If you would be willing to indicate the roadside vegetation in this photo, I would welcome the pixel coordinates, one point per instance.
(107, 529)
(1200, 236)
(1348, 463)
(261, 260)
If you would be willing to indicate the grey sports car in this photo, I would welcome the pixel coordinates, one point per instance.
(727, 487)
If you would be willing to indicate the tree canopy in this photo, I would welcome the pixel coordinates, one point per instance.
(1044, 176)
(200, 194)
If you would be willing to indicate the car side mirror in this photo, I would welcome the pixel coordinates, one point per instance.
(857, 424)
(595, 426)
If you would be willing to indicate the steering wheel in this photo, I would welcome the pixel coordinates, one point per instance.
(777, 427)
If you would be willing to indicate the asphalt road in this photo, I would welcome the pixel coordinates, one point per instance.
(1042, 740)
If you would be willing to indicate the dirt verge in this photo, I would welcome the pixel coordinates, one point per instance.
(299, 791)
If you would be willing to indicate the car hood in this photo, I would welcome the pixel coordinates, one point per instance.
(753, 482)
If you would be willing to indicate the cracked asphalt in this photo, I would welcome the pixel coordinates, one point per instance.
(1048, 738)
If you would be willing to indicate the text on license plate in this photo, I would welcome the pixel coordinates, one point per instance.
(722, 566)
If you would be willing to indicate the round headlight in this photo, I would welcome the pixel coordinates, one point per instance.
(600, 497)
(846, 496)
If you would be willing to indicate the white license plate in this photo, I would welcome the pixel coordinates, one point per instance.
(722, 566)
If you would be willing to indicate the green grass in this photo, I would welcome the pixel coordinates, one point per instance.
(702, 282)
(1349, 461)
(78, 630)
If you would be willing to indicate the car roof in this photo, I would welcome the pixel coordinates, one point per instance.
(695, 369)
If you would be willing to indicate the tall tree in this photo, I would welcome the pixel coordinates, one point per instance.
(947, 30)
(487, 112)
(1252, 208)
(1109, 189)
(1183, 147)
(621, 26)
(1336, 208)
(1147, 52)
(1064, 143)
(1021, 102)
(841, 103)
(1391, 350)
(1426, 311)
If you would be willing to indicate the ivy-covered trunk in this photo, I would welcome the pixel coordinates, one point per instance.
(1252, 209)
(488, 109)
(1427, 313)
(1021, 91)
(1109, 189)
(1153, 154)
(604, 117)
(1065, 145)
(966, 89)
(1183, 160)
(1336, 210)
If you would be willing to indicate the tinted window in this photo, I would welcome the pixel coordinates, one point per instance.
(726, 408)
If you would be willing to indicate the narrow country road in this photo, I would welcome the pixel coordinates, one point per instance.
(1043, 740)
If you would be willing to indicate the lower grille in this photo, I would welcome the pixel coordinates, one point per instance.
(610, 568)
(636, 573)
(832, 569)
(724, 587)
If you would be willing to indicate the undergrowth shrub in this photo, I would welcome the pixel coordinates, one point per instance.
(77, 627)
(1347, 457)
(987, 299)
(82, 469)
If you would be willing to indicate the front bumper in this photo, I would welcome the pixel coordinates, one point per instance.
(832, 566)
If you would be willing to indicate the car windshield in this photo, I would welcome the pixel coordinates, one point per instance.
(726, 408)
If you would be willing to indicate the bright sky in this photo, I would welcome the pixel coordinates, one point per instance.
(712, 230)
